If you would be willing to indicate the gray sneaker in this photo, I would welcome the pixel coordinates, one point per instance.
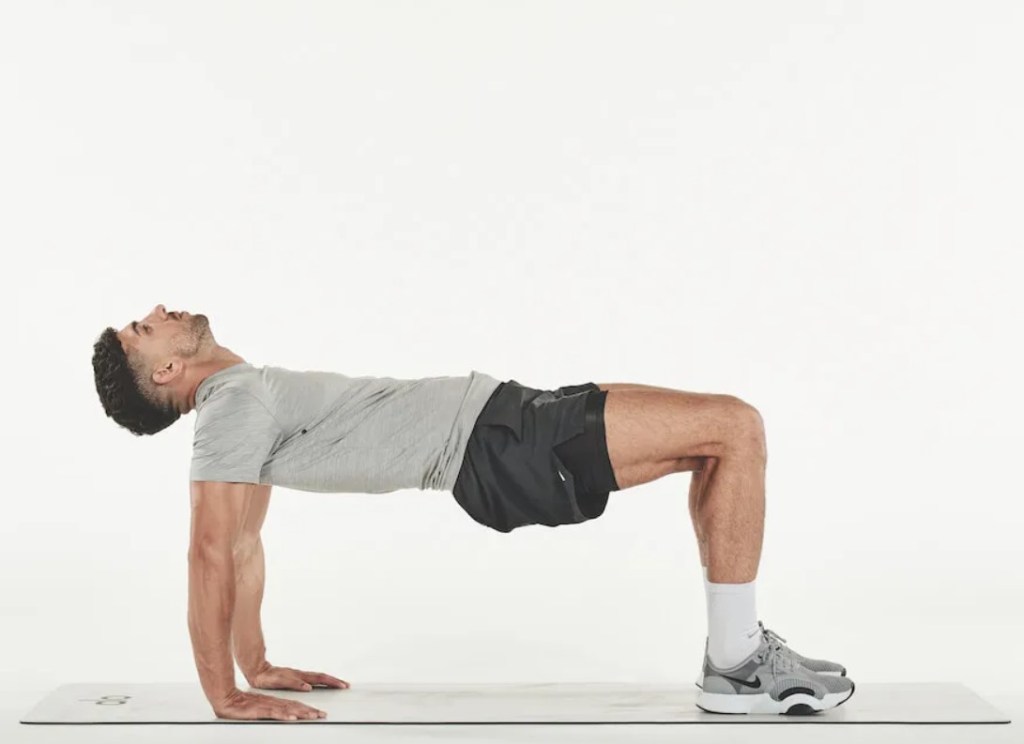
(770, 681)
(821, 666)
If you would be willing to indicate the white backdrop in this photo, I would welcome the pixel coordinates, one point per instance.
(812, 205)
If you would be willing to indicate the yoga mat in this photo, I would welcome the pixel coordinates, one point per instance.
(501, 703)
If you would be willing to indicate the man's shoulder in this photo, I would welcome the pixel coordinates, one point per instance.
(235, 400)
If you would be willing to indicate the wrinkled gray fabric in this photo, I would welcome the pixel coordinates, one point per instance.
(328, 432)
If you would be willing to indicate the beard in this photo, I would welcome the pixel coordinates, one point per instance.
(194, 338)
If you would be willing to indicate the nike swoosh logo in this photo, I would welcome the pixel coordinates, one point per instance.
(746, 683)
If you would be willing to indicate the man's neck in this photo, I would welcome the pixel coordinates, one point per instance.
(221, 361)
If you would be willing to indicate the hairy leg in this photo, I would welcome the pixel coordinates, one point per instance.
(652, 432)
(698, 481)
(698, 467)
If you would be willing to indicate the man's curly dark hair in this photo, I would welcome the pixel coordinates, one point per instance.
(124, 391)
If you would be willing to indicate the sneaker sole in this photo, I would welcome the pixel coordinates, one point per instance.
(798, 704)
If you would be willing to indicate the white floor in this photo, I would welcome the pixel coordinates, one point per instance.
(16, 703)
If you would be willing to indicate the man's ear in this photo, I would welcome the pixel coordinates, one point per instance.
(170, 370)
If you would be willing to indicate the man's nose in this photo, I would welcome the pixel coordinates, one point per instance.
(157, 313)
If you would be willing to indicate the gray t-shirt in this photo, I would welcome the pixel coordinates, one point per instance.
(325, 431)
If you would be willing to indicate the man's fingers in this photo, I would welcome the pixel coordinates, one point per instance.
(296, 682)
(288, 680)
(318, 678)
(293, 711)
(278, 714)
(268, 707)
(327, 680)
(305, 711)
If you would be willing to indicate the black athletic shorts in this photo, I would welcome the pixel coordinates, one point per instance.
(537, 457)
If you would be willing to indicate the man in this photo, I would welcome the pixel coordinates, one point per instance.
(511, 455)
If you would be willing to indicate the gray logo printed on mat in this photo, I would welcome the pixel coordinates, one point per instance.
(107, 700)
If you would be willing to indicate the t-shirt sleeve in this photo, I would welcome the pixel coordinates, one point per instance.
(234, 436)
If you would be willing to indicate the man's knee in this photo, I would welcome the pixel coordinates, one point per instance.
(748, 426)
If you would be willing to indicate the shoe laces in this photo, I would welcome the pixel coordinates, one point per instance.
(775, 652)
(771, 635)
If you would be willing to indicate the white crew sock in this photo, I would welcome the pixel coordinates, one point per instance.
(733, 632)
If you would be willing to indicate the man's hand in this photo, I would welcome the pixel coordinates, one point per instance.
(271, 677)
(248, 706)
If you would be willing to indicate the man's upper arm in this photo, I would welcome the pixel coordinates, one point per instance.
(219, 515)
(234, 436)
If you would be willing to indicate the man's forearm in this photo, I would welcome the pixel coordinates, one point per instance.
(211, 600)
(246, 630)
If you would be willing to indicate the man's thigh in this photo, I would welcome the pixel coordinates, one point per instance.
(653, 431)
